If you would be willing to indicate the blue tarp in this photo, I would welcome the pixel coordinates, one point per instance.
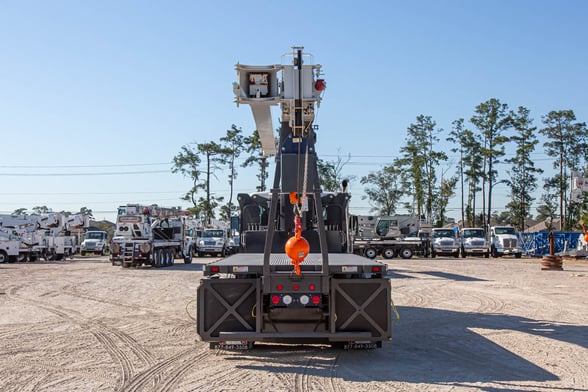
(537, 244)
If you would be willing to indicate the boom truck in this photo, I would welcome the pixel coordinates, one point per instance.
(150, 235)
(389, 236)
(295, 278)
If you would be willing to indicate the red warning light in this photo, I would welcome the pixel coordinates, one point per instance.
(320, 84)
(311, 287)
(280, 287)
(295, 287)
(275, 299)
(316, 299)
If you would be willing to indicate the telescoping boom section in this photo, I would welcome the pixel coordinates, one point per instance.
(294, 279)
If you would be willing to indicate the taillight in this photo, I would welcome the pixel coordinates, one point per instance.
(275, 299)
(316, 299)
(376, 268)
(215, 269)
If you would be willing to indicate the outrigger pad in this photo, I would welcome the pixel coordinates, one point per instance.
(363, 305)
(226, 305)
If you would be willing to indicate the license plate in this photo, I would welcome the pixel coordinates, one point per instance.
(360, 345)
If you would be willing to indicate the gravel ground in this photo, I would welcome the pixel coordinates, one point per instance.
(465, 325)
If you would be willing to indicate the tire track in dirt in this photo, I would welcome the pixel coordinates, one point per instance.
(105, 335)
(141, 379)
(216, 374)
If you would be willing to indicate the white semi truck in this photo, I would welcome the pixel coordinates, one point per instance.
(504, 241)
(149, 235)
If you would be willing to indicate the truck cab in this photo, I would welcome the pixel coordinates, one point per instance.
(94, 242)
(473, 242)
(444, 242)
(213, 242)
(504, 241)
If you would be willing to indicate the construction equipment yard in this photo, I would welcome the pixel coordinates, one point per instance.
(474, 324)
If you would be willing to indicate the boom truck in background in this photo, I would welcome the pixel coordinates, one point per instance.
(389, 236)
(295, 278)
(52, 236)
(150, 235)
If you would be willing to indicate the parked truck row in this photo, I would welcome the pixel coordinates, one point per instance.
(49, 236)
(405, 236)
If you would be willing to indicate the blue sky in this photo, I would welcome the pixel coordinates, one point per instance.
(97, 97)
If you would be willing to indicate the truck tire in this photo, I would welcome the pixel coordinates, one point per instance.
(189, 256)
(172, 257)
(126, 264)
(3, 257)
(406, 253)
(487, 254)
(463, 253)
(370, 253)
(388, 253)
(433, 254)
(456, 254)
(156, 258)
(518, 255)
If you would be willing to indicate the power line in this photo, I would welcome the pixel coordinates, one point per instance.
(81, 174)
(82, 165)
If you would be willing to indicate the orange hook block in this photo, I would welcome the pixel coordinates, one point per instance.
(297, 249)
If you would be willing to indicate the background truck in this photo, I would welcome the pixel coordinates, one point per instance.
(444, 242)
(214, 241)
(387, 236)
(9, 247)
(294, 279)
(149, 235)
(473, 242)
(504, 241)
(95, 242)
(52, 236)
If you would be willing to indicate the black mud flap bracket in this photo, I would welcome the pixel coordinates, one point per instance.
(226, 305)
(362, 305)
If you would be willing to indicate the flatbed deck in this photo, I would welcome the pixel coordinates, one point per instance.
(252, 264)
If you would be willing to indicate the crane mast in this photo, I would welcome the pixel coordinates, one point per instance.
(294, 278)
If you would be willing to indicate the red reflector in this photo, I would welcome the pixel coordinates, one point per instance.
(215, 269)
(316, 299)
(275, 299)
(376, 269)
(280, 287)
(311, 287)
(295, 287)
